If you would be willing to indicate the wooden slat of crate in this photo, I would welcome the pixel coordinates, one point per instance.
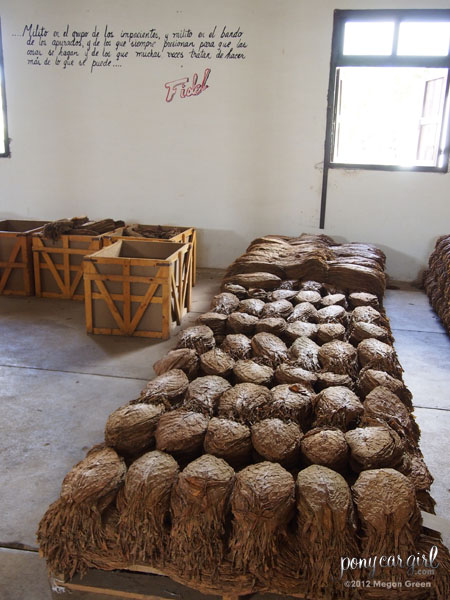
(16, 262)
(58, 266)
(188, 235)
(172, 279)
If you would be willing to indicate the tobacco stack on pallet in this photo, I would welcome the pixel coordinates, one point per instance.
(276, 440)
(437, 280)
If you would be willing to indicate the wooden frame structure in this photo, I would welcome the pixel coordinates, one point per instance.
(137, 287)
(16, 261)
(58, 266)
(186, 235)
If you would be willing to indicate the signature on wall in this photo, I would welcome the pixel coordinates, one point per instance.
(182, 88)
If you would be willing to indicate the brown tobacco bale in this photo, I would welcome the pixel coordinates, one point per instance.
(311, 286)
(290, 373)
(251, 372)
(374, 448)
(326, 527)
(329, 289)
(277, 308)
(419, 474)
(204, 392)
(300, 329)
(245, 403)
(155, 232)
(368, 314)
(270, 348)
(332, 314)
(274, 325)
(168, 389)
(251, 306)
(266, 281)
(242, 323)
(262, 503)
(388, 511)
(73, 524)
(361, 331)
(225, 303)
(257, 293)
(198, 337)
(289, 284)
(142, 526)
(305, 353)
(363, 299)
(327, 332)
(217, 322)
(281, 294)
(326, 379)
(356, 278)
(277, 441)
(292, 402)
(304, 311)
(237, 345)
(371, 378)
(229, 440)
(385, 406)
(216, 362)
(199, 504)
(185, 359)
(374, 354)
(310, 296)
(334, 300)
(237, 290)
(181, 432)
(338, 407)
(339, 357)
(325, 446)
(130, 429)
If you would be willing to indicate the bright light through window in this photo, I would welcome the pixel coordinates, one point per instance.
(389, 116)
(368, 38)
(423, 39)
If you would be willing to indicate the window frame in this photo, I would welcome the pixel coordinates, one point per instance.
(338, 59)
(7, 152)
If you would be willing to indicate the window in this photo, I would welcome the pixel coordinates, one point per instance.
(4, 140)
(389, 86)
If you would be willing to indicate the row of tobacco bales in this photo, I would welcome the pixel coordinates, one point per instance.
(437, 280)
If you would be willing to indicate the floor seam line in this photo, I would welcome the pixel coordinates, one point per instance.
(431, 408)
(18, 548)
(419, 331)
(74, 372)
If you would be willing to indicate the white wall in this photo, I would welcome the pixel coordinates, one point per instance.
(239, 160)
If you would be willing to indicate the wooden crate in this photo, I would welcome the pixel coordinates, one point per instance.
(16, 261)
(58, 266)
(188, 234)
(137, 287)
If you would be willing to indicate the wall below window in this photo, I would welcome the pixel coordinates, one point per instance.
(237, 159)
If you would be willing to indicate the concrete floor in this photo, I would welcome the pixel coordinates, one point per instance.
(58, 386)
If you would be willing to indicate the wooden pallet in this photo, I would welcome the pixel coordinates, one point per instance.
(140, 583)
(16, 262)
(137, 288)
(187, 235)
